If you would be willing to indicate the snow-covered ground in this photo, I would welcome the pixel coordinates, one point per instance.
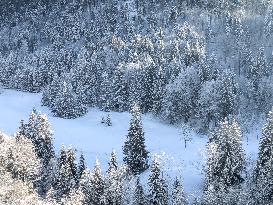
(87, 134)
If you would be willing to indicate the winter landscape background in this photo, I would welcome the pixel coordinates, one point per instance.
(136, 102)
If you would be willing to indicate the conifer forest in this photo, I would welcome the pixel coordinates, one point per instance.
(106, 95)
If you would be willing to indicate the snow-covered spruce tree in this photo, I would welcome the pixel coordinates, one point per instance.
(39, 131)
(158, 91)
(67, 104)
(178, 196)
(107, 121)
(180, 99)
(257, 73)
(50, 92)
(268, 24)
(112, 164)
(44, 149)
(81, 167)
(158, 192)
(120, 90)
(32, 126)
(139, 195)
(22, 131)
(44, 139)
(113, 182)
(19, 159)
(263, 174)
(60, 182)
(134, 149)
(86, 187)
(97, 185)
(104, 101)
(226, 159)
(66, 173)
(84, 77)
(228, 90)
(72, 165)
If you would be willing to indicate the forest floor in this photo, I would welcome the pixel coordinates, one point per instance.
(96, 140)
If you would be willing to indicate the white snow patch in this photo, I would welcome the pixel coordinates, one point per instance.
(87, 134)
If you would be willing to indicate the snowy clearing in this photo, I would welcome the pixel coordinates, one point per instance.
(87, 134)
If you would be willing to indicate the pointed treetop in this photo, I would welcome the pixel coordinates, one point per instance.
(135, 111)
(113, 166)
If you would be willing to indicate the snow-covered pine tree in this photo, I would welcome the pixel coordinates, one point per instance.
(97, 185)
(113, 183)
(81, 167)
(84, 77)
(263, 174)
(226, 159)
(60, 185)
(43, 146)
(50, 92)
(31, 126)
(108, 121)
(105, 96)
(66, 174)
(44, 139)
(67, 103)
(139, 195)
(86, 187)
(158, 91)
(228, 90)
(120, 90)
(72, 166)
(112, 164)
(268, 24)
(39, 131)
(178, 196)
(180, 99)
(158, 192)
(134, 149)
(22, 131)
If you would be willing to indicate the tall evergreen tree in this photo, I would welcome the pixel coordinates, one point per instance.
(105, 96)
(158, 192)
(134, 149)
(112, 164)
(226, 159)
(44, 139)
(120, 92)
(113, 183)
(50, 92)
(67, 104)
(158, 91)
(82, 166)
(263, 174)
(139, 195)
(72, 166)
(66, 174)
(97, 184)
(178, 196)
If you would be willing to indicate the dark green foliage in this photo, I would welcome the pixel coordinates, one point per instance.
(263, 173)
(66, 104)
(139, 195)
(81, 167)
(226, 160)
(134, 149)
(178, 196)
(158, 192)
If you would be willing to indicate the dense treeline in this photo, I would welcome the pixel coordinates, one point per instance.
(191, 61)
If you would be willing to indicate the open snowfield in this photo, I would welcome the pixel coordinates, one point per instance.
(87, 134)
